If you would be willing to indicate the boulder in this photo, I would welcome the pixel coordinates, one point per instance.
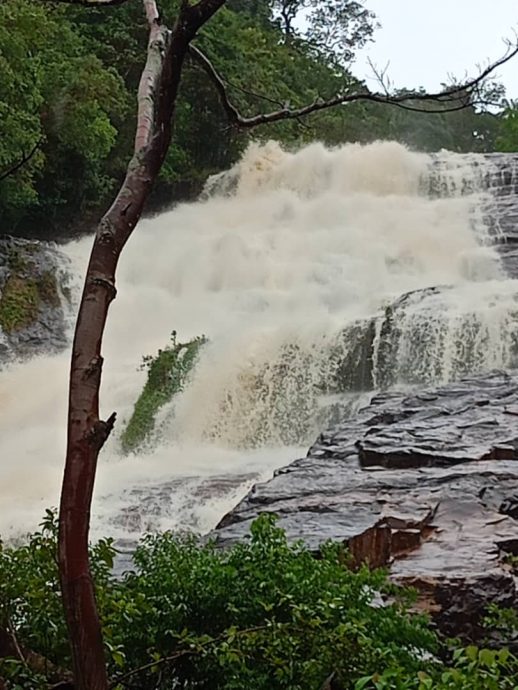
(34, 298)
(425, 484)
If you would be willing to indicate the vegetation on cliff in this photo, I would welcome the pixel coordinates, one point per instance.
(26, 289)
(166, 376)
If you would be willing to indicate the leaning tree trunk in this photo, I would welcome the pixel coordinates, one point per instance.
(86, 431)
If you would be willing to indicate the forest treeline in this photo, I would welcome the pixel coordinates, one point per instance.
(68, 83)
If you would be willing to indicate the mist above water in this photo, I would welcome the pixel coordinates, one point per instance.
(285, 264)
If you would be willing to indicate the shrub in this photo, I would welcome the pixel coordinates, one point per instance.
(263, 615)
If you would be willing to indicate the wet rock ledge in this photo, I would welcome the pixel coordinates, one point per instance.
(34, 298)
(423, 483)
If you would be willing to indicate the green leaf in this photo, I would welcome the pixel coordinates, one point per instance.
(472, 653)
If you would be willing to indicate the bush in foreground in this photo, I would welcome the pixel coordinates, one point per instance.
(264, 615)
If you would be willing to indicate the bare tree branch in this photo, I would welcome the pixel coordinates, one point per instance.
(381, 76)
(232, 112)
(16, 645)
(19, 164)
(11, 649)
(253, 94)
(451, 99)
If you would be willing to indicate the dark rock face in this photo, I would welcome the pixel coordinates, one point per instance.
(430, 335)
(34, 295)
(501, 211)
(426, 484)
(140, 509)
(434, 334)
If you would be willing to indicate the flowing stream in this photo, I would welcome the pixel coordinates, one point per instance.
(317, 276)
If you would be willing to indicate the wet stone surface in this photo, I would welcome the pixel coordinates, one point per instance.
(181, 504)
(425, 483)
(501, 210)
(34, 298)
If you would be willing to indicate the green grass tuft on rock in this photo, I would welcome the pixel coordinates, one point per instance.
(48, 289)
(167, 373)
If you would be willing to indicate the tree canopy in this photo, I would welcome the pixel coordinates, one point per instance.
(68, 80)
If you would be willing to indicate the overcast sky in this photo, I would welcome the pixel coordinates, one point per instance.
(427, 40)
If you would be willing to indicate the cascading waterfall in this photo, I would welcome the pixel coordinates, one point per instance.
(313, 274)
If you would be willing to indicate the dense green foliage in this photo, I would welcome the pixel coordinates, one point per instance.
(69, 75)
(508, 130)
(55, 92)
(263, 615)
(166, 376)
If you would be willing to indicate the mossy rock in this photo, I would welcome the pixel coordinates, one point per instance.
(48, 289)
(17, 258)
(19, 303)
(23, 295)
(32, 285)
(167, 374)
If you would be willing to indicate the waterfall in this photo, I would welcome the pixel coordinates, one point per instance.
(317, 276)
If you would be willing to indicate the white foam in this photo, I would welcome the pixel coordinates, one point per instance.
(307, 243)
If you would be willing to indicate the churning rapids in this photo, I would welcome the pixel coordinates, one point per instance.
(294, 266)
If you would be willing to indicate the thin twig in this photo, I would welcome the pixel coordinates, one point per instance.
(381, 76)
(14, 639)
(253, 94)
(182, 653)
(24, 159)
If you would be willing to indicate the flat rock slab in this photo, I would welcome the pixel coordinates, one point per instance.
(425, 483)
